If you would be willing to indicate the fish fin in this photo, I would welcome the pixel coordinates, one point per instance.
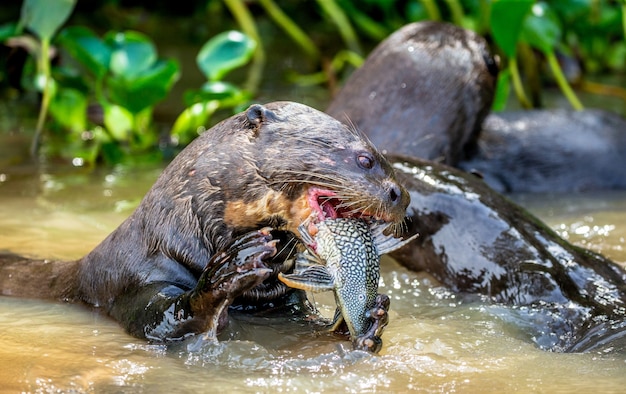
(337, 320)
(315, 278)
(388, 243)
(307, 259)
(303, 229)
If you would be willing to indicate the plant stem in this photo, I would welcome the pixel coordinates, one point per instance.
(484, 15)
(456, 11)
(43, 66)
(517, 84)
(562, 81)
(291, 28)
(431, 10)
(346, 31)
(246, 22)
(624, 18)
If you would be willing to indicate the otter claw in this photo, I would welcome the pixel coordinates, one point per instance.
(239, 268)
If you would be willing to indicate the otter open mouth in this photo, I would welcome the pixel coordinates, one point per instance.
(327, 205)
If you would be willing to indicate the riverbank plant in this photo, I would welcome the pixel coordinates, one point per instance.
(98, 87)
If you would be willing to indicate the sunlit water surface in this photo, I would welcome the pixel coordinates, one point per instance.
(434, 342)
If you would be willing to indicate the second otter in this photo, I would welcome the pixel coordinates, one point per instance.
(425, 91)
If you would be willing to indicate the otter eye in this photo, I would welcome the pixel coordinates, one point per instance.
(365, 161)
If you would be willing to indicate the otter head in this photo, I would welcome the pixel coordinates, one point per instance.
(303, 163)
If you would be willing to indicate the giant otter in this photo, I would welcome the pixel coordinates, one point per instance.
(201, 240)
(425, 91)
(477, 242)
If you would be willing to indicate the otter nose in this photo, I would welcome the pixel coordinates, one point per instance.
(394, 193)
(397, 196)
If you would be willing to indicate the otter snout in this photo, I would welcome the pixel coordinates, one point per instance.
(394, 201)
(397, 199)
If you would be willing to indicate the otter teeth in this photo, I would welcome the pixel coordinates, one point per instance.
(319, 201)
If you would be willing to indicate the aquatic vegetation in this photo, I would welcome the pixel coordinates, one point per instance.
(103, 111)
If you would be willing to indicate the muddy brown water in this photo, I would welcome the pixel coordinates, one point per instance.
(434, 342)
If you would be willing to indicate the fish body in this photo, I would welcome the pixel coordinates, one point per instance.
(344, 257)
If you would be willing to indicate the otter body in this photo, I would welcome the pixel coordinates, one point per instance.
(426, 91)
(201, 240)
(477, 242)
(560, 150)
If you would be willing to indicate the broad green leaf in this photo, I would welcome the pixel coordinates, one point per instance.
(192, 119)
(212, 91)
(541, 28)
(118, 121)
(70, 78)
(507, 18)
(69, 109)
(45, 17)
(132, 53)
(503, 89)
(112, 153)
(8, 30)
(571, 11)
(616, 56)
(146, 89)
(87, 48)
(223, 53)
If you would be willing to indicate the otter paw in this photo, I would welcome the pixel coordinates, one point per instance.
(370, 340)
(240, 267)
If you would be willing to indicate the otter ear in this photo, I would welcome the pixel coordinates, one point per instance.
(258, 114)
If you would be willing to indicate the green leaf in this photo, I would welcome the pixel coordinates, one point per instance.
(8, 30)
(541, 28)
(68, 107)
(572, 11)
(503, 90)
(132, 53)
(223, 53)
(70, 78)
(45, 17)
(86, 48)
(192, 119)
(507, 18)
(118, 121)
(616, 56)
(145, 89)
(212, 91)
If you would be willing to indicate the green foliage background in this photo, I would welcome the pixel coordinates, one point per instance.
(99, 78)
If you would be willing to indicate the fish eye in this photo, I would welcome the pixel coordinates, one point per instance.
(365, 160)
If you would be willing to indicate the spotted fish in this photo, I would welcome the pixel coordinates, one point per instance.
(344, 257)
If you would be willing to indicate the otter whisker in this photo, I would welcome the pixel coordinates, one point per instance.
(318, 182)
(311, 141)
(332, 176)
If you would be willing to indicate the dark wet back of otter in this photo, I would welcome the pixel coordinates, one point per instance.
(423, 92)
(551, 151)
(476, 241)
